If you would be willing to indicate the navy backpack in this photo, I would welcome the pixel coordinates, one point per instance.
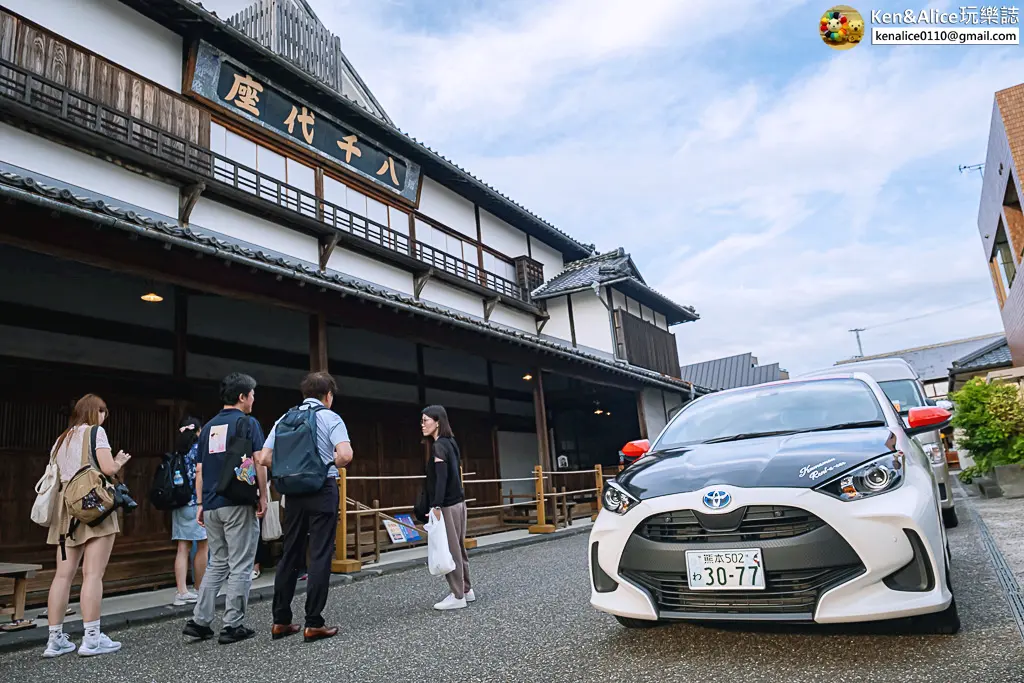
(296, 466)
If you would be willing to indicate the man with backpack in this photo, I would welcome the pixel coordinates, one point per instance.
(231, 491)
(304, 450)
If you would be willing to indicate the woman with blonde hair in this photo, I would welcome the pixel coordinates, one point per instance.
(91, 545)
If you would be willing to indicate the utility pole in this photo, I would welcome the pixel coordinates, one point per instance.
(860, 347)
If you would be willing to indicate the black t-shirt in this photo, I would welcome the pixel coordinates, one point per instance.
(444, 482)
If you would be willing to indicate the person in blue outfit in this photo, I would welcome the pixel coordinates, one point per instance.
(232, 529)
(185, 528)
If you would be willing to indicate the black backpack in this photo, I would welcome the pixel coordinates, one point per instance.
(238, 468)
(165, 493)
(296, 466)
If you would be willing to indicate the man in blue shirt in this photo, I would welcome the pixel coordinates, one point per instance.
(310, 520)
(232, 529)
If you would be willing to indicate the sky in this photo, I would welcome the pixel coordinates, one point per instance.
(788, 191)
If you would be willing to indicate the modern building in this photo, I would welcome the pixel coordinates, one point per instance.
(185, 196)
(730, 372)
(1000, 220)
(933, 362)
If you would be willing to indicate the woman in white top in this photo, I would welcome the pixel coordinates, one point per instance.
(91, 545)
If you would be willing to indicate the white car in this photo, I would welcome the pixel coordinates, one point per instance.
(799, 500)
(902, 385)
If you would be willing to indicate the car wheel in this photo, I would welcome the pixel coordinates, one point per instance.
(949, 518)
(637, 623)
(946, 622)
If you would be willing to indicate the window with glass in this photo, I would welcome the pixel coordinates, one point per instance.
(1008, 269)
(782, 409)
(499, 266)
(446, 251)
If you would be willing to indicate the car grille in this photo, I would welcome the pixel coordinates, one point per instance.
(753, 523)
(794, 592)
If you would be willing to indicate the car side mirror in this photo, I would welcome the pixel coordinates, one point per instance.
(634, 449)
(927, 419)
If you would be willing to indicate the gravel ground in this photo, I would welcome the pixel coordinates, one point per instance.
(533, 622)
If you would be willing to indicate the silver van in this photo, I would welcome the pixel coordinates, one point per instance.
(902, 385)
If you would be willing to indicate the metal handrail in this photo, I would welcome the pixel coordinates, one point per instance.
(23, 86)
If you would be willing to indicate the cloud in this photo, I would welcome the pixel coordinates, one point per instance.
(787, 191)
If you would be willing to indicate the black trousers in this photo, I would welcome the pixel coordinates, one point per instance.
(310, 523)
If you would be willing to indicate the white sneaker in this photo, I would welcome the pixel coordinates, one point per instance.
(101, 646)
(451, 602)
(56, 647)
(184, 599)
(470, 596)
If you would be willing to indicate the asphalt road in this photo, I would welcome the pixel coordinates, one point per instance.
(532, 622)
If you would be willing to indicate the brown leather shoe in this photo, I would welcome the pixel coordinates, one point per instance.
(311, 634)
(278, 631)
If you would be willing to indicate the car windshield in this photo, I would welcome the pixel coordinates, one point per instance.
(903, 393)
(801, 406)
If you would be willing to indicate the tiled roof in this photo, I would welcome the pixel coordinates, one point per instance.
(28, 189)
(994, 354)
(730, 372)
(933, 362)
(613, 267)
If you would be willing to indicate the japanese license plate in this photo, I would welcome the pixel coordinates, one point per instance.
(725, 569)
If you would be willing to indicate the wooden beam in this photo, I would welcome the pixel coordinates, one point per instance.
(318, 343)
(540, 415)
(180, 332)
(572, 319)
(187, 198)
(325, 248)
(420, 281)
(641, 414)
(421, 384)
(541, 322)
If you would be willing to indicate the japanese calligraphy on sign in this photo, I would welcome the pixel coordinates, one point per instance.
(229, 85)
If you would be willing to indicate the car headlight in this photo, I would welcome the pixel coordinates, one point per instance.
(616, 499)
(880, 475)
(934, 453)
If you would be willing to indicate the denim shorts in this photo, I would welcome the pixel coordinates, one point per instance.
(184, 526)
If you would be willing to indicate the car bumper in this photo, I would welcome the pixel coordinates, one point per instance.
(840, 572)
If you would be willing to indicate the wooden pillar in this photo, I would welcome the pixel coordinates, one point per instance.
(541, 527)
(641, 414)
(540, 415)
(180, 332)
(341, 564)
(317, 342)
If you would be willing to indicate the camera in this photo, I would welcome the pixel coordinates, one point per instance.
(123, 498)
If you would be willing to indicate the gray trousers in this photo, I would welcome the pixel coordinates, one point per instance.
(232, 534)
(455, 526)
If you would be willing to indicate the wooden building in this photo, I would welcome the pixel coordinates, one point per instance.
(185, 196)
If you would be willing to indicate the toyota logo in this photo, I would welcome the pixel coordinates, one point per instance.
(716, 500)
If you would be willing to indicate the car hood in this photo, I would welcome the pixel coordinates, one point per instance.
(796, 460)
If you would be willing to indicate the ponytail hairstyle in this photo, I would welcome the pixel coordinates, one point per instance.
(188, 434)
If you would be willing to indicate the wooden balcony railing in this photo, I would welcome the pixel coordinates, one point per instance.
(45, 96)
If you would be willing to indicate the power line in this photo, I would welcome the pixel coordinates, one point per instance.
(925, 315)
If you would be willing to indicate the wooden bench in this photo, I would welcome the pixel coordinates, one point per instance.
(21, 573)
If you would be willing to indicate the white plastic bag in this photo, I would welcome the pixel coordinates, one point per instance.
(439, 557)
(47, 493)
(272, 520)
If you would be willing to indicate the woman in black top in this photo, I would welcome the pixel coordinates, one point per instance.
(448, 500)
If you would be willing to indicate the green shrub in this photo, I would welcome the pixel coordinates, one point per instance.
(992, 419)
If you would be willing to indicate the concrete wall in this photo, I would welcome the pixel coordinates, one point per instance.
(558, 325)
(654, 412)
(444, 294)
(511, 317)
(447, 208)
(371, 270)
(111, 30)
(501, 236)
(517, 456)
(593, 322)
(550, 257)
(38, 154)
